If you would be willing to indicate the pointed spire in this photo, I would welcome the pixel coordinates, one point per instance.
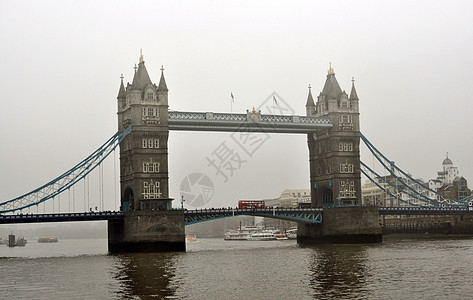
(330, 69)
(141, 77)
(331, 88)
(141, 56)
(353, 94)
(162, 82)
(121, 91)
(310, 100)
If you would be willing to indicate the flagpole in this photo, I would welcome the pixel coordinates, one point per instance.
(274, 105)
(231, 102)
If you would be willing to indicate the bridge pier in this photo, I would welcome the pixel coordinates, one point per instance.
(147, 231)
(354, 224)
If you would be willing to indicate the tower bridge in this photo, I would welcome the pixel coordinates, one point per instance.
(333, 134)
(146, 220)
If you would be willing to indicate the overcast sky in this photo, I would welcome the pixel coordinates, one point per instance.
(61, 63)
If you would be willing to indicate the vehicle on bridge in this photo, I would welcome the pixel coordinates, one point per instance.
(251, 204)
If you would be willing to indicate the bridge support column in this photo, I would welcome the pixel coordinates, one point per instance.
(355, 224)
(147, 231)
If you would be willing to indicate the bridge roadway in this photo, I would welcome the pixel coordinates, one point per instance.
(308, 215)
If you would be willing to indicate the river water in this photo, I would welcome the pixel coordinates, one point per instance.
(398, 268)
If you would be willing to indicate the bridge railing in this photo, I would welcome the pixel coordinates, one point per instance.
(424, 210)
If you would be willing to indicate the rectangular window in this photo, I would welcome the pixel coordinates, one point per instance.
(144, 143)
(345, 119)
(346, 168)
(345, 147)
(156, 143)
(151, 190)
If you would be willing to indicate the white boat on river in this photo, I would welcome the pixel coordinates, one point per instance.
(263, 236)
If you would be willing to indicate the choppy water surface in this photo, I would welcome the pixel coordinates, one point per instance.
(218, 269)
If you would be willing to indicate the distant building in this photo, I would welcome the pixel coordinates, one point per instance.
(271, 202)
(449, 183)
(293, 198)
(403, 191)
(394, 191)
(373, 195)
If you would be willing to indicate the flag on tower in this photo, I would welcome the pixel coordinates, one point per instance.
(233, 99)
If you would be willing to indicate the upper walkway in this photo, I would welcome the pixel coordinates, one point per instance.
(252, 121)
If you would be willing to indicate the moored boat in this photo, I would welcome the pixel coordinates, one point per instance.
(191, 238)
(50, 239)
(21, 242)
(264, 235)
(243, 233)
(291, 233)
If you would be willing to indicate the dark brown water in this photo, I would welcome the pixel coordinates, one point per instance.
(218, 269)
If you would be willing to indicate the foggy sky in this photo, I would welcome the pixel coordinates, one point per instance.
(61, 64)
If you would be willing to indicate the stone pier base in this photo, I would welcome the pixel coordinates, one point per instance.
(147, 231)
(356, 224)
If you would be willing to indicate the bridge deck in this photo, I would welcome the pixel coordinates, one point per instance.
(306, 215)
(61, 217)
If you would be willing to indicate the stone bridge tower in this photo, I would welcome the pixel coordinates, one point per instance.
(334, 153)
(144, 151)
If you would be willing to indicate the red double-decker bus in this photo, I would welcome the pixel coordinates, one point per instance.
(251, 204)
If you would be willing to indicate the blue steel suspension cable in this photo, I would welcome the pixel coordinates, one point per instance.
(396, 188)
(460, 201)
(390, 184)
(377, 184)
(378, 154)
(66, 180)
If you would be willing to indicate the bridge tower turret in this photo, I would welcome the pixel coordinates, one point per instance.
(334, 153)
(144, 151)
